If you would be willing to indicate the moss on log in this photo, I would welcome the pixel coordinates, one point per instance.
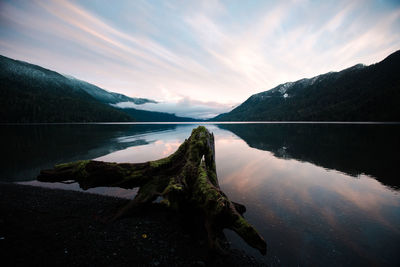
(186, 180)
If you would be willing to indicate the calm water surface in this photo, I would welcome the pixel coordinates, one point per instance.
(320, 194)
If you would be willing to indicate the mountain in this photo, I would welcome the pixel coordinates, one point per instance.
(105, 96)
(359, 93)
(30, 93)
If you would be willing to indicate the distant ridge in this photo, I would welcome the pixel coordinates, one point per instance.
(359, 93)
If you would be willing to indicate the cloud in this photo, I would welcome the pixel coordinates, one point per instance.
(184, 107)
(210, 51)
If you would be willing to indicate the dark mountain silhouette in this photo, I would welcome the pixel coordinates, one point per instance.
(359, 93)
(30, 93)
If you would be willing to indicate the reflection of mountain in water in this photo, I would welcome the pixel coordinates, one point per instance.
(28, 148)
(353, 149)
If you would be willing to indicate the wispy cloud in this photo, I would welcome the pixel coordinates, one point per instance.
(207, 51)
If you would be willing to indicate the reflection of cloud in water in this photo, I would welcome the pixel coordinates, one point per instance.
(287, 179)
(159, 145)
(288, 197)
(170, 148)
(300, 208)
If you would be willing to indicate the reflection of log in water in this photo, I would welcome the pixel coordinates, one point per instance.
(186, 180)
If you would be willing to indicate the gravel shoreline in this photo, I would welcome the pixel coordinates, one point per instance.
(52, 227)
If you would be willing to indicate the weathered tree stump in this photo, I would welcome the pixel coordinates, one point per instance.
(186, 180)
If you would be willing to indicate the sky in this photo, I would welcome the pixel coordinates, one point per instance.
(197, 58)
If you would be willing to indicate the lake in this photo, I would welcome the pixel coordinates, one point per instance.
(320, 194)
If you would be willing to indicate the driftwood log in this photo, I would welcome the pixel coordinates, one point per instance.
(186, 180)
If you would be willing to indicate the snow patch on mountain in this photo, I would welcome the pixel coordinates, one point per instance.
(284, 87)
